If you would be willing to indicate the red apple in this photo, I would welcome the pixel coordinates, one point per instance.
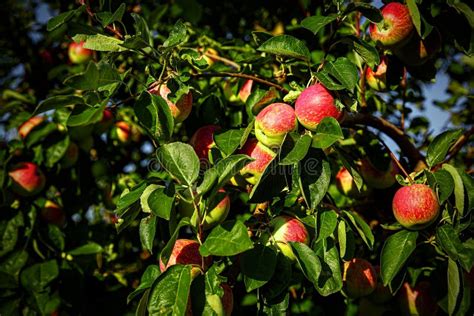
(123, 131)
(415, 206)
(262, 155)
(314, 104)
(179, 110)
(273, 123)
(78, 54)
(186, 251)
(246, 90)
(53, 214)
(227, 299)
(360, 278)
(286, 229)
(375, 178)
(202, 142)
(27, 179)
(377, 79)
(105, 122)
(395, 29)
(418, 51)
(27, 126)
(346, 185)
(70, 157)
(241, 96)
(417, 300)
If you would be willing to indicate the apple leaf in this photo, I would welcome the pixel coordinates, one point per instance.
(227, 239)
(281, 278)
(362, 228)
(62, 18)
(56, 102)
(107, 18)
(149, 276)
(88, 249)
(367, 10)
(308, 261)
(298, 152)
(327, 223)
(314, 177)
(445, 184)
(100, 42)
(228, 141)
(368, 52)
(166, 252)
(56, 147)
(287, 46)
(101, 76)
(317, 22)
(85, 115)
(257, 266)
(440, 145)
(147, 232)
(458, 187)
(339, 74)
(158, 200)
(181, 161)
(155, 115)
(36, 277)
(454, 285)
(327, 133)
(449, 241)
(128, 198)
(330, 278)
(415, 15)
(468, 181)
(177, 35)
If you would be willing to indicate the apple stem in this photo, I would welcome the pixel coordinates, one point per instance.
(400, 166)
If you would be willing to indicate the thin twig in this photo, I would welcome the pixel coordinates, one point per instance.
(244, 76)
(462, 140)
(223, 60)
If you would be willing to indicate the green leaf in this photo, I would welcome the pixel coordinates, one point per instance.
(127, 199)
(36, 277)
(177, 35)
(9, 233)
(458, 187)
(347, 161)
(308, 261)
(281, 277)
(228, 239)
(88, 249)
(445, 184)
(169, 295)
(147, 232)
(158, 200)
(56, 236)
(85, 115)
(59, 20)
(454, 286)
(229, 167)
(330, 278)
(107, 18)
(342, 238)
(181, 161)
(362, 228)
(415, 15)
(141, 28)
(101, 77)
(247, 132)
(257, 266)
(298, 152)
(469, 186)
(56, 147)
(314, 177)
(327, 133)
(339, 74)
(317, 22)
(439, 147)
(395, 252)
(10, 269)
(154, 114)
(39, 133)
(448, 239)
(327, 223)
(287, 46)
(368, 52)
(100, 42)
(228, 141)
(58, 101)
(151, 273)
(367, 10)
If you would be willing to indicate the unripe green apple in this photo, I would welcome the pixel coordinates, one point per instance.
(360, 278)
(179, 110)
(202, 142)
(417, 300)
(314, 104)
(78, 54)
(27, 179)
(70, 157)
(346, 185)
(273, 123)
(263, 157)
(418, 51)
(375, 178)
(415, 206)
(105, 122)
(286, 229)
(395, 29)
(30, 124)
(53, 214)
(186, 251)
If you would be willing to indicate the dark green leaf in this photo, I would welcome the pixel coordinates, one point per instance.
(107, 18)
(85, 115)
(281, 277)
(227, 239)
(56, 236)
(368, 52)
(298, 152)
(395, 252)
(327, 223)
(439, 147)
(314, 177)
(101, 76)
(147, 232)
(347, 161)
(229, 167)
(339, 74)
(327, 133)
(9, 233)
(287, 46)
(56, 149)
(59, 20)
(308, 261)
(128, 198)
(317, 22)
(257, 266)
(10, 269)
(469, 186)
(415, 15)
(38, 276)
(166, 252)
(58, 101)
(445, 184)
(367, 10)
(330, 278)
(362, 228)
(151, 273)
(181, 161)
(88, 249)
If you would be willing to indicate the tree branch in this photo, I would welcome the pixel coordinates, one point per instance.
(415, 158)
(244, 76)
(462, 140)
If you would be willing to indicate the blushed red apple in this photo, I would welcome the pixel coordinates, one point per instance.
(30, 124)
(241, 96)
(415, 206)
(287, 229)
(27, 179)
(417, 300)
(202, 141)
(105, 122)
(360, 278)
(78, 54)
(186, 251)
(263, 157)
(314, 104)
(53, 214)
(179, 110)
(396, 28)
(273, 123)
(347, 186)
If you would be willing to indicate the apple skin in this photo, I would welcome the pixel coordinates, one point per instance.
(27, 179)
(418, 51)
(314, 104)
(395, 29)
(202, 142)
(286, 229)
(273, 123)
(415, 206)
(360, 278)
(53, 214)
(375, 178)
(186, 251)
(105, 122)
(262, 155)
(78, 54)
(241, 96)
(70, 157)
(27, 126)
(246, 90)
(417, 300)
(214, 217)
(346, 185)
(179, 110)
(377, 79)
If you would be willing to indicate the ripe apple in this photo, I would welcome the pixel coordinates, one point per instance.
(179, 110)
(105, 122)
(123, 131)
(395, 29)
(70, 157)
(314, 104)
(417, 300)
(375, 178)
(186, 251)
(273, 123)
(346, 185)
(78, 54)
(286, 229)
(262, 155)
(52, 213)
(241, 96)
(27, 179)
(360, 278)
(202, 142)
(418, 51)
(415, 206)
(27, 126)
(246, 90)
(382, 293)
(216, 214)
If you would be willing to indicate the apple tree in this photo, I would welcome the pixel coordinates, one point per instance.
(207, 157)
